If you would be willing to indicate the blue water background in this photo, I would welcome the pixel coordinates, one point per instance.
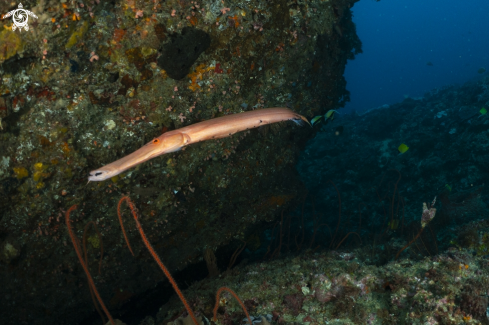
(401, 36)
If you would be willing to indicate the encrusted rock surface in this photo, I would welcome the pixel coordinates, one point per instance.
(341, 287)
(86, 85)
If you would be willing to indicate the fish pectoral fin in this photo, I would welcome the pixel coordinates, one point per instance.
(187, 139)
(173, 142)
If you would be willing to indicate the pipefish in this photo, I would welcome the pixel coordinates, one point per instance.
(216, 128)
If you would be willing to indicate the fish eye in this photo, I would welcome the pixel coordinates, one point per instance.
(156, 140)
(98, 173)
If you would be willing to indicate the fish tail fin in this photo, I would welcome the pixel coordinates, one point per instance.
(301, 121)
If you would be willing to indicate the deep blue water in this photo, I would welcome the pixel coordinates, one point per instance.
(400, 37)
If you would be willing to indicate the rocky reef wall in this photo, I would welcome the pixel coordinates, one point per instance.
(92, 81)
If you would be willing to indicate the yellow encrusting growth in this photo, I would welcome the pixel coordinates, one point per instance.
(94, 241)
(37, 176)
(10, 44)
(197, 74)
(10, 251)
(20, 172)
(77, 35)
(39, 169)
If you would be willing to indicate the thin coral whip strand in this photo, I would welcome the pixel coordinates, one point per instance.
(434, 237)
(339, 213)
(85, 268)
(158, 261)
(216, 306)
(302, 225)
(280, 238)
(409, 244)
(348, 234)
(131, 206)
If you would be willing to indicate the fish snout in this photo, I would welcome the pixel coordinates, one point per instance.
(98, 175)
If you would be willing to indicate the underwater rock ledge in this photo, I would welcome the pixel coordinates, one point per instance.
(83, 87)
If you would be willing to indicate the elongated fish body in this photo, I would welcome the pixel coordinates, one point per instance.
(216, 128)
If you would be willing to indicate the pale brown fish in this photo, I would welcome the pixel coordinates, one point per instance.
(216, 128)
